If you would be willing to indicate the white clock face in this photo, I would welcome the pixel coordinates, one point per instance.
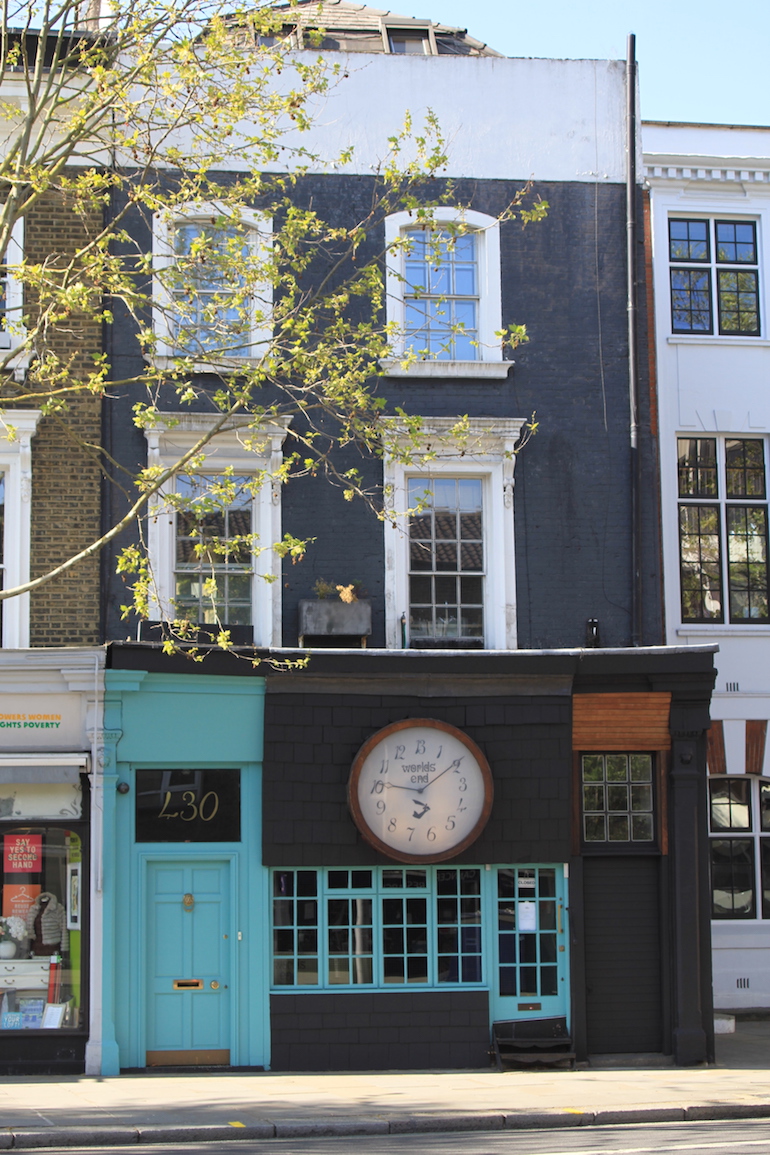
(421, 791)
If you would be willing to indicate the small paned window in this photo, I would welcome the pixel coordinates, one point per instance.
(617, 798)
(740, 847)
(724, 256)
(446, 559)
(723, 543)
(458, 920)
(214, 549)
(527, 931)
(380, 928)
(212, 311)
(441, 295)
(295, 928)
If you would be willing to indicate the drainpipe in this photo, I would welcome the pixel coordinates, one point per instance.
(633, 385)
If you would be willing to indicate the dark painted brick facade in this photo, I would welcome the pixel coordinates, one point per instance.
(565, 279)
(311, 741)
(379, 1031)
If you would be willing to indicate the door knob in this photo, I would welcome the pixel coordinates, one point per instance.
(214, 985)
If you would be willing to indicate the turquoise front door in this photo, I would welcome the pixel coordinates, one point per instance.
(531, 945)
(189, 942)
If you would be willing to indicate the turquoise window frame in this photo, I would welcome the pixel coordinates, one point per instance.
(464, 919)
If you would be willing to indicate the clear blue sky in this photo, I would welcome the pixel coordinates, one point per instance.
(699, 60)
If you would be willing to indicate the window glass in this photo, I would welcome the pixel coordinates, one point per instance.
(441, 295)
(212, 311)
(617, 798)
(732, 878)
(446, 592)
(44, 892)
(697, 467)
(214, 549)
(723, 542)
(188, 806)
(527, 931)
(393, 928)
(693, 289)
(730, 803)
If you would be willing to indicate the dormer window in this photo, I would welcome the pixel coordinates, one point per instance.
(409, 43)
(411, 40)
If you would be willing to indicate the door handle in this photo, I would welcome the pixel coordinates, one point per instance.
(214, 985)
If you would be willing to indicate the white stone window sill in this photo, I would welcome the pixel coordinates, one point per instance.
(484, 370)
(732, 631)
(715, 339)
(223, 365)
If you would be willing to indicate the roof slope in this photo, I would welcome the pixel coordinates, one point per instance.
(352, 27)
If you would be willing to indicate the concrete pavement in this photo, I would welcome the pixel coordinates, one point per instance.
(79, 1111)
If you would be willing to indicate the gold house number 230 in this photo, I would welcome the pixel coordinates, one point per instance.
(205, 809)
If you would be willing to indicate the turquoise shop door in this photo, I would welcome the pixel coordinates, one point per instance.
(188, 963)
(531, 950)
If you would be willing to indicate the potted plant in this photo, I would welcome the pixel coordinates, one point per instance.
(12, 932)
(338, 611)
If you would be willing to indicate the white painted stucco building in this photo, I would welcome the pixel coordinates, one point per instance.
(710, 232)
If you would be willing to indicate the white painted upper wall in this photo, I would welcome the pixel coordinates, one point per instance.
(558, 120)
(505, 119)
(708, 142)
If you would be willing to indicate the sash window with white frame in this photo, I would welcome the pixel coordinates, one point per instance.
(210, 553)
(444, 295)
(210, 304)
(214, 570)
(445, 587)
(446, 559)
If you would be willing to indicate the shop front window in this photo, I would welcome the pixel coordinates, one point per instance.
(41, 928)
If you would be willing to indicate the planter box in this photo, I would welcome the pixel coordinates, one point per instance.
(334, 619)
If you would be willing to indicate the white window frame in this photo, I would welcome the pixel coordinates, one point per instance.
(13, 337)
(490, 363)
(259, 230)
(247, 451)
(17, 429)
(487, 452)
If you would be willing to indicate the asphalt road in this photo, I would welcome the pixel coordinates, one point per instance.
(741, 1138)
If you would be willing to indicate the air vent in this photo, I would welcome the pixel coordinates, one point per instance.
(742, 984)
(732, 687)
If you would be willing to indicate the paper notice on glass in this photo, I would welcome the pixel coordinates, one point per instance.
(527, 916)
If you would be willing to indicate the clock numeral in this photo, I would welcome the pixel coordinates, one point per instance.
(384, 767)
(411, 830)
(392, 825)
(450, 822)
(463, 785)
(380, 806)
(399, 752)
(438, 755)
(378, 787)
(432, 833)
(420, 747)
(460, 807)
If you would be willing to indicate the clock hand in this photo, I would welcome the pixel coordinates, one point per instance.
(411, 789)
(453, 766)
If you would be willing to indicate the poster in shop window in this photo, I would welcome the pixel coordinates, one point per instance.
(22, 853)
(18, 898)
